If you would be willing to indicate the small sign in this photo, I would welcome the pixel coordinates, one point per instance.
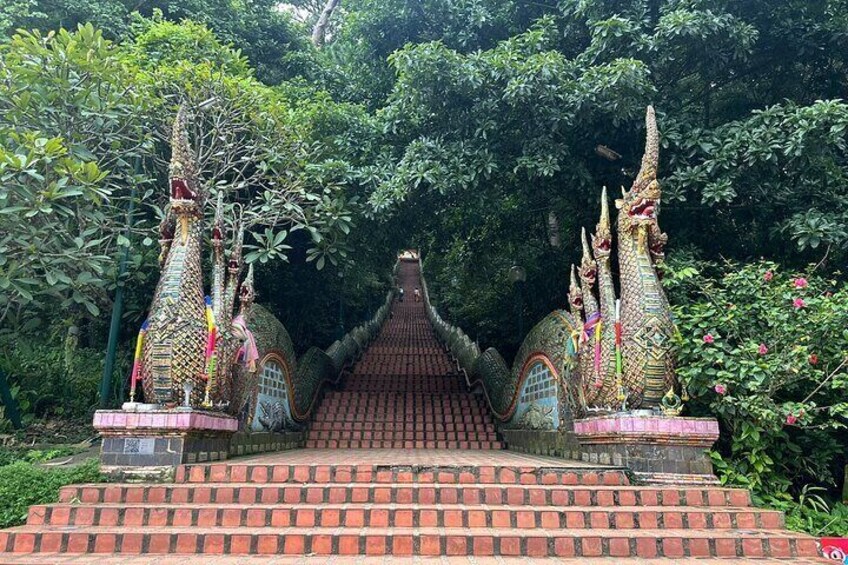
(143, 446)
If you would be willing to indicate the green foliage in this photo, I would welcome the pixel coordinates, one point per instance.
(161, 43)
(9, 456)
(22, 484)
(70, 125)
(811, 513)
(45, 383)
(274, 44)
(762, 349)
(785, 166)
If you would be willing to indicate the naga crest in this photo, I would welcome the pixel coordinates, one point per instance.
(602, 238)
(639, 205)
(187, 193)
(575, 294)
(588, 267)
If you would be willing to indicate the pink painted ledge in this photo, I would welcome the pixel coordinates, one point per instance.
(164, 419)
(627, 423)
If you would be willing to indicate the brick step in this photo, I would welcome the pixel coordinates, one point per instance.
(359, 435)
(469, 495)
(371, 402)
(378, 427)
(397, 474)
(200, 559)
(437, 405)
(399, 413)
(406, 444)
(412, 430)
(389, 413)
(350, 415)
(408, 541)
(407, 516)
(401, 410)
(428, 373)
(405, 396)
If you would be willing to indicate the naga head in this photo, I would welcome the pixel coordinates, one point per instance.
(602, 238)
(575, 294)
(656, 245)
(588, 267)
(247, 293)
(640, 204)
(187, 197)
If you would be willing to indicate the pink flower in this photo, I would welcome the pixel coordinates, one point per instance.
(768, 276)
(791, 419)
(709, 338)
(799, 303)
(721, 389)
(762, 349)
(813, 359)
(800, 282)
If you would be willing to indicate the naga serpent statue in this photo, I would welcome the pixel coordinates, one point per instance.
(625, 356)
(209, 348)
(608, 354)
(191, 342)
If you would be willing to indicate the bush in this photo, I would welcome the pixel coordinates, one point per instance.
(42, 384)
(763, 350)
(22, 484)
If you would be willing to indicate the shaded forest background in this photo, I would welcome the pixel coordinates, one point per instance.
(481, 133)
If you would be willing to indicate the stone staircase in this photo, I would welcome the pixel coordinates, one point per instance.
(388, 502)
(402, 462)
(405, 391)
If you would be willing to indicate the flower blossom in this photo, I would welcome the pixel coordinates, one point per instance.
(799, 303)
(813, 359)
(768, 276)
(709, 338)
(800, 282)
(762, 349)
(721, 389)
(791, 419)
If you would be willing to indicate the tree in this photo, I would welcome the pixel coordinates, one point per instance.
(71, 125)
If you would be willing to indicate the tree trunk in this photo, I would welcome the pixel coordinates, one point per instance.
(320, 29)
(554, 232)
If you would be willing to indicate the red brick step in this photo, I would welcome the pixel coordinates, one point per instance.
(407, 515)
(311, 493)
(363, 473)
(409, 541)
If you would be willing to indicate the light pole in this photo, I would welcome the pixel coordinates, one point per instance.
(517, 275)
(118, 305)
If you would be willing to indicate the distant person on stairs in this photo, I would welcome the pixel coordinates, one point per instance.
(400, 294)
(417, 294)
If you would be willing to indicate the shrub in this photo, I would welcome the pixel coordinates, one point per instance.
(22, 484)
(763, 350)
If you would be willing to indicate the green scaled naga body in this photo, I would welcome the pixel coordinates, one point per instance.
(625, 356)
(176, 338)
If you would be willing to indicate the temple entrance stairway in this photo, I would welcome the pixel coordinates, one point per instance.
(402, 461)
(405, 391)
